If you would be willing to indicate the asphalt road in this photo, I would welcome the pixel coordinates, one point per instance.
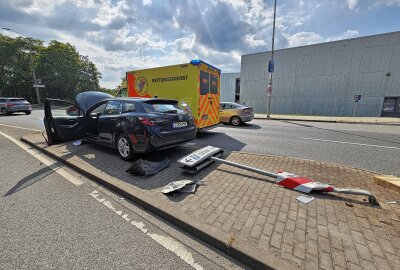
(54, 218)
(371, 147)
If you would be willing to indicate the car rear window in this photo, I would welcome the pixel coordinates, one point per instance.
(162, 108)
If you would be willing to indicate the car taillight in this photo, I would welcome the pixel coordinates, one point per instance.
(248, 111)
(153, 121)
(147, 121)
(10, 104)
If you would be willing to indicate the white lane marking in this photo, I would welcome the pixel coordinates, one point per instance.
(363, 144)
(19, 127)
(167, 242)
(52, 164)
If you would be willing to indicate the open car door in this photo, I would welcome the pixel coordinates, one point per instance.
(63, 121)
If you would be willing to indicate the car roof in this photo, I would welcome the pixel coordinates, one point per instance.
(138, 99)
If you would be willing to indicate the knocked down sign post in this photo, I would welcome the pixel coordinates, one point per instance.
(201, 158)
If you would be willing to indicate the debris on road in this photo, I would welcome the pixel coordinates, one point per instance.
(77, 142)
(392, 202)
(305, 199)
(142, 167)
(181, 185)
(202, 157)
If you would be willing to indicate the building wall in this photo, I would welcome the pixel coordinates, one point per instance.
(228, 81)
(322, 79)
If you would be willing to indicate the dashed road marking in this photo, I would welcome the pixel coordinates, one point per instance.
(167, 242)
(52, 164)
(362, 144)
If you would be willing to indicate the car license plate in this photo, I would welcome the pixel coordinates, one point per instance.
(179, 124)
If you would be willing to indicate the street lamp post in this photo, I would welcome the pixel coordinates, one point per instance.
(271, 67)
(33, 67)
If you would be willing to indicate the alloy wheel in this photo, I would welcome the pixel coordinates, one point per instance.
(235, 120)
(123, 147)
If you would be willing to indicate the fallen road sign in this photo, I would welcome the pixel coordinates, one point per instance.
(206, 155)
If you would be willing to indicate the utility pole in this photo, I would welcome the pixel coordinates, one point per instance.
(33, 66)
(271, 67)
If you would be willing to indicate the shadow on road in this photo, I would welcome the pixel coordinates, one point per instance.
(29, 180)
(243, 126)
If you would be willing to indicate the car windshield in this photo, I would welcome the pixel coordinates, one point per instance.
(162, 108)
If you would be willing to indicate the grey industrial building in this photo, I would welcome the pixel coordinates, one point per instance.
(322, 79)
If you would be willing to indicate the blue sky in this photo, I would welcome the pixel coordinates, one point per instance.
(126, 35)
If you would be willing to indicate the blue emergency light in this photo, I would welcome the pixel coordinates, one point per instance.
(197, 62)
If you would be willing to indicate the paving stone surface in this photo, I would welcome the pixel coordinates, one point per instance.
(332, 232)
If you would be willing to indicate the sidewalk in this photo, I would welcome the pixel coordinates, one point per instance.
(333, 119)
(254, 220)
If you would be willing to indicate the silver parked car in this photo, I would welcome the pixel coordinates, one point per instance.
(12, 105)
(235, 113)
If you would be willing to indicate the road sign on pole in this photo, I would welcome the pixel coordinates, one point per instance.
(38, 85)
(356, 99)
(271, 64)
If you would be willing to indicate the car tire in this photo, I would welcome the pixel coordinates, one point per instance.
(4, 111)
(235, 120)
(28, 112)
(124, 147)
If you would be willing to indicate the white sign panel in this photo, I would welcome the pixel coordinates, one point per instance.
(199, 156)
(38, 85)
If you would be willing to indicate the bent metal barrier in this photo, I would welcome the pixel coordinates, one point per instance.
(201, 158)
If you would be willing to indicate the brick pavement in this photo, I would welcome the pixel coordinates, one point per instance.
(332, 232)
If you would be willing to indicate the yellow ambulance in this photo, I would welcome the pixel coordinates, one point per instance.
(196, 85)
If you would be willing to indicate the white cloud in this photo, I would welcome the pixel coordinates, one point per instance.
(346, 35)
(352, 4)
(303, 38)
(254, 42)
(147, 2)
(121, 35)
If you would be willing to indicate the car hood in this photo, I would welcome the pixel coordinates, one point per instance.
(86, 100)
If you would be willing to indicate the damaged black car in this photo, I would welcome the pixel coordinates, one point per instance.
(129, 125)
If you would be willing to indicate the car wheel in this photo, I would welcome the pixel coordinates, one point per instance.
(124, 147)
(235, 120)
(28, 112)
(4, 111)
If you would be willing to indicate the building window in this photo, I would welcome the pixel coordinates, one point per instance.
(237, 90)
(391, 106)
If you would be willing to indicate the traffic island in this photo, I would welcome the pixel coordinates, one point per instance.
(251, 218)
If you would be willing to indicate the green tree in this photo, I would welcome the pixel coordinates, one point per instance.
(17, 57)
(60, 66)
(66, 73)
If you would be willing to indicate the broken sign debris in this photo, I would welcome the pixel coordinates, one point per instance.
(187, 186)
(305, 199)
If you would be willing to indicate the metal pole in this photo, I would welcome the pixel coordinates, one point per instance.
(36, 88)
(252, 169)
(33, 66)
(355, 108)
(272, 58)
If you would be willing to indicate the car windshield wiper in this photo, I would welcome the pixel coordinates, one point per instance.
(170, 111)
